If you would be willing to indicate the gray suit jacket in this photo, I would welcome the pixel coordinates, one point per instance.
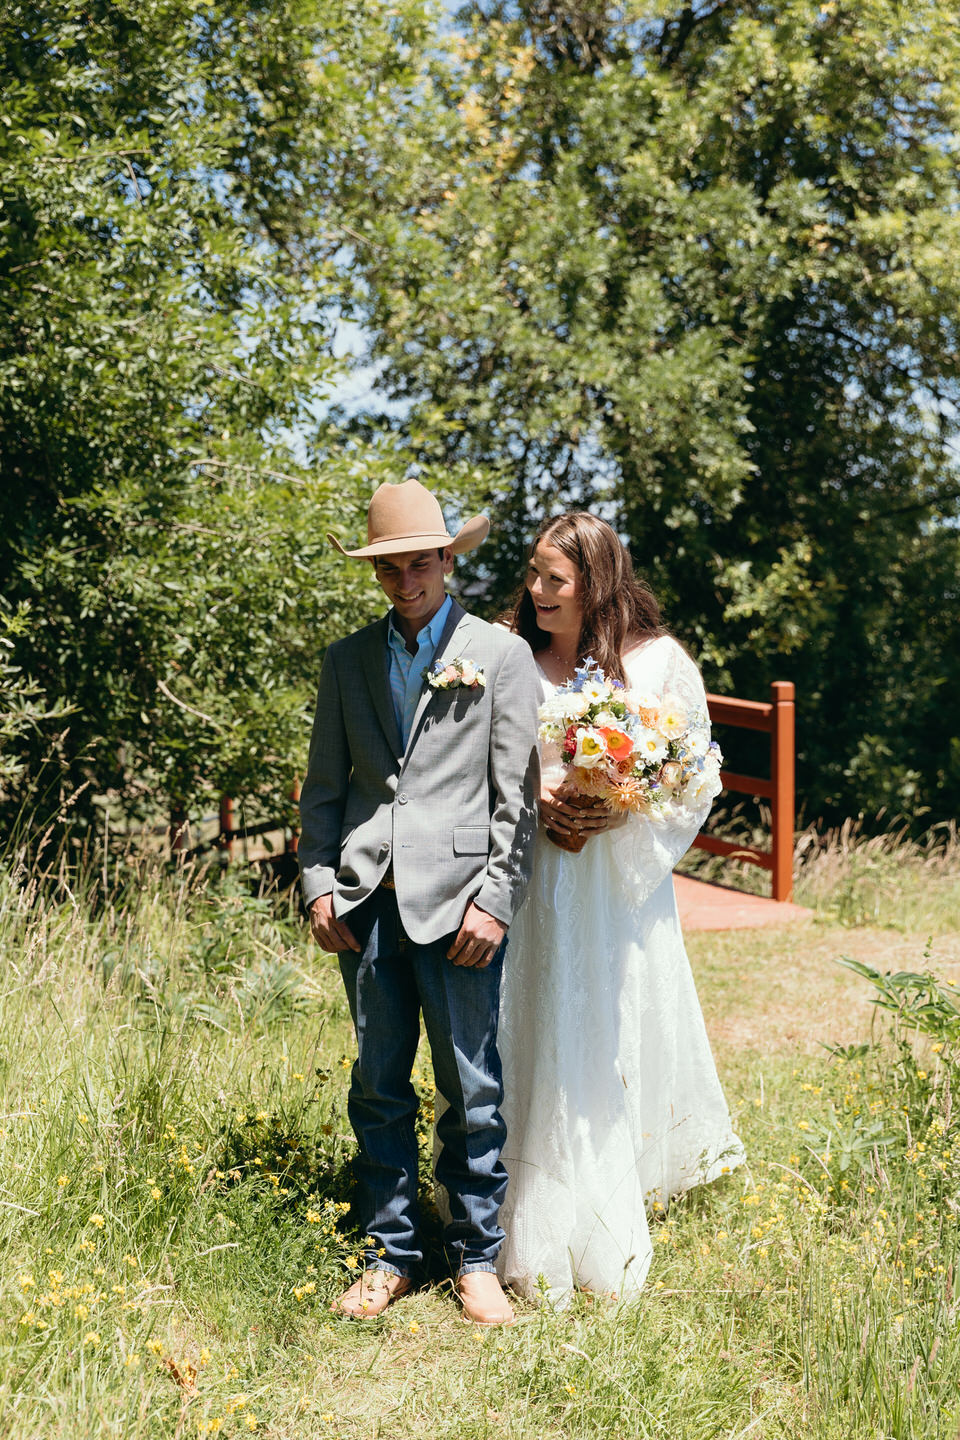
(455, 812)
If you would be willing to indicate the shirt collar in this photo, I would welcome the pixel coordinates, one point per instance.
(431, 631)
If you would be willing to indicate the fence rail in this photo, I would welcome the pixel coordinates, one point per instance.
(227, 832)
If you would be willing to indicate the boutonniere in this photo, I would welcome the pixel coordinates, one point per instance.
(456, 675)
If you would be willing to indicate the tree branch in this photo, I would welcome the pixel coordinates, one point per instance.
(161, 685)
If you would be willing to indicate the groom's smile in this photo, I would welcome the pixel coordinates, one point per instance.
(415, 584)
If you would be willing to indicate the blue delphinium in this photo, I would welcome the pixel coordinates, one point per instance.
(589, 670)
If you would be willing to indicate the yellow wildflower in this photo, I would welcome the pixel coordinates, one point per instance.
(91, 1338)
(98, 1221)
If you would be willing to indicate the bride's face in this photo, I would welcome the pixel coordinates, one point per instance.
(554, 584)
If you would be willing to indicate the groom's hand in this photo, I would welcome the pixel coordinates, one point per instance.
(478, 939)
(331, 934)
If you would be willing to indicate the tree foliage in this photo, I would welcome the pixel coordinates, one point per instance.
(174, 217)
(695, 265)
(700, 265)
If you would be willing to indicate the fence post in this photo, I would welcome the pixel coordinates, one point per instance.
(225, 839)
(293, 839)
(178, 831)
(782, 764)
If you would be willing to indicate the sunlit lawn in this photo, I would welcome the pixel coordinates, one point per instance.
(175, 1178)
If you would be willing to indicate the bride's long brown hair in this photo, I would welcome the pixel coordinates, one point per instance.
(618, 608)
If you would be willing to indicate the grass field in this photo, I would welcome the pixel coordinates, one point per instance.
(175, 1183)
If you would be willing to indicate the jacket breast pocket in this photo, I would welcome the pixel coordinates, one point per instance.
(471, 840)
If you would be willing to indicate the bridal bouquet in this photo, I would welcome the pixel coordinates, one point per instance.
(639, 753)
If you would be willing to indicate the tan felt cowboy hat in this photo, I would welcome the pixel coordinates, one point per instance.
(407, 517)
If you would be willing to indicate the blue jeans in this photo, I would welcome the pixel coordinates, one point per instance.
(388, 984)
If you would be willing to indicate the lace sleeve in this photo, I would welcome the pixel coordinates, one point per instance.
(647, 847)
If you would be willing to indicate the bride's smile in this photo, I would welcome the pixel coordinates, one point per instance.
(554, 585)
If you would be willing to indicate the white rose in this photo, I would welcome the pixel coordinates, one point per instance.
(574, 704)
(704, 784)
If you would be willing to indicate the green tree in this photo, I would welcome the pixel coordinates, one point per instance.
(175, 181)
(700, 265)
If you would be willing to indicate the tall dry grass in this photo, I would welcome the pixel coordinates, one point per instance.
(888, 878)
(854, 874)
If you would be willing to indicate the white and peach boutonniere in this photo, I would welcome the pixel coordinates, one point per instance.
(457, 674)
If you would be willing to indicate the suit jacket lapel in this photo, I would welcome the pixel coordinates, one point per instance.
(377, 673)
(448, 647)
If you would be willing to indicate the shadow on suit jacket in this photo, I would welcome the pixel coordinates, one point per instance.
(455, 813)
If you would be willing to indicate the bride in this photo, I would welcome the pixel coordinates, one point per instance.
(612, 1100)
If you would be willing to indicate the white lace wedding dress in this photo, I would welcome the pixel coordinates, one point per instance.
(612, 1098)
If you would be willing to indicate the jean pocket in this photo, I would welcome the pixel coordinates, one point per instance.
(471, 840)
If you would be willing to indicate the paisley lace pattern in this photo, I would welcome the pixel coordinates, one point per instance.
(612, 1099)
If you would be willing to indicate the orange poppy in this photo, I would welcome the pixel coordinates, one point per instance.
(619, 745)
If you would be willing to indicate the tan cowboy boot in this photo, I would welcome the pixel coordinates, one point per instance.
(483, 1300)
(371, 1294)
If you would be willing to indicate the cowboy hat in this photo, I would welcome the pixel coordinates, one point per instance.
(407, 517)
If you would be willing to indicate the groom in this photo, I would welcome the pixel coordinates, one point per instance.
(418, 815)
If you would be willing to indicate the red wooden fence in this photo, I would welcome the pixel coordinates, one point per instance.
(227, 832)
(776, 718)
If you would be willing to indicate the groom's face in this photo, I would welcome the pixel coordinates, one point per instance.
(415, 584)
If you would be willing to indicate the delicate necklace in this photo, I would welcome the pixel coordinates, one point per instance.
(569, 666)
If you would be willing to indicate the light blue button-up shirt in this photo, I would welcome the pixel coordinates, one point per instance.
(406, 670)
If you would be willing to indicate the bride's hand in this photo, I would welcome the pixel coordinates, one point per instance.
(584, 819)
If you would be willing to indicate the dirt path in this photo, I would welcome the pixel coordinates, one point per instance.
(778, 990)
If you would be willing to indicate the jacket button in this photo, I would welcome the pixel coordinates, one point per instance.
(401, 798)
